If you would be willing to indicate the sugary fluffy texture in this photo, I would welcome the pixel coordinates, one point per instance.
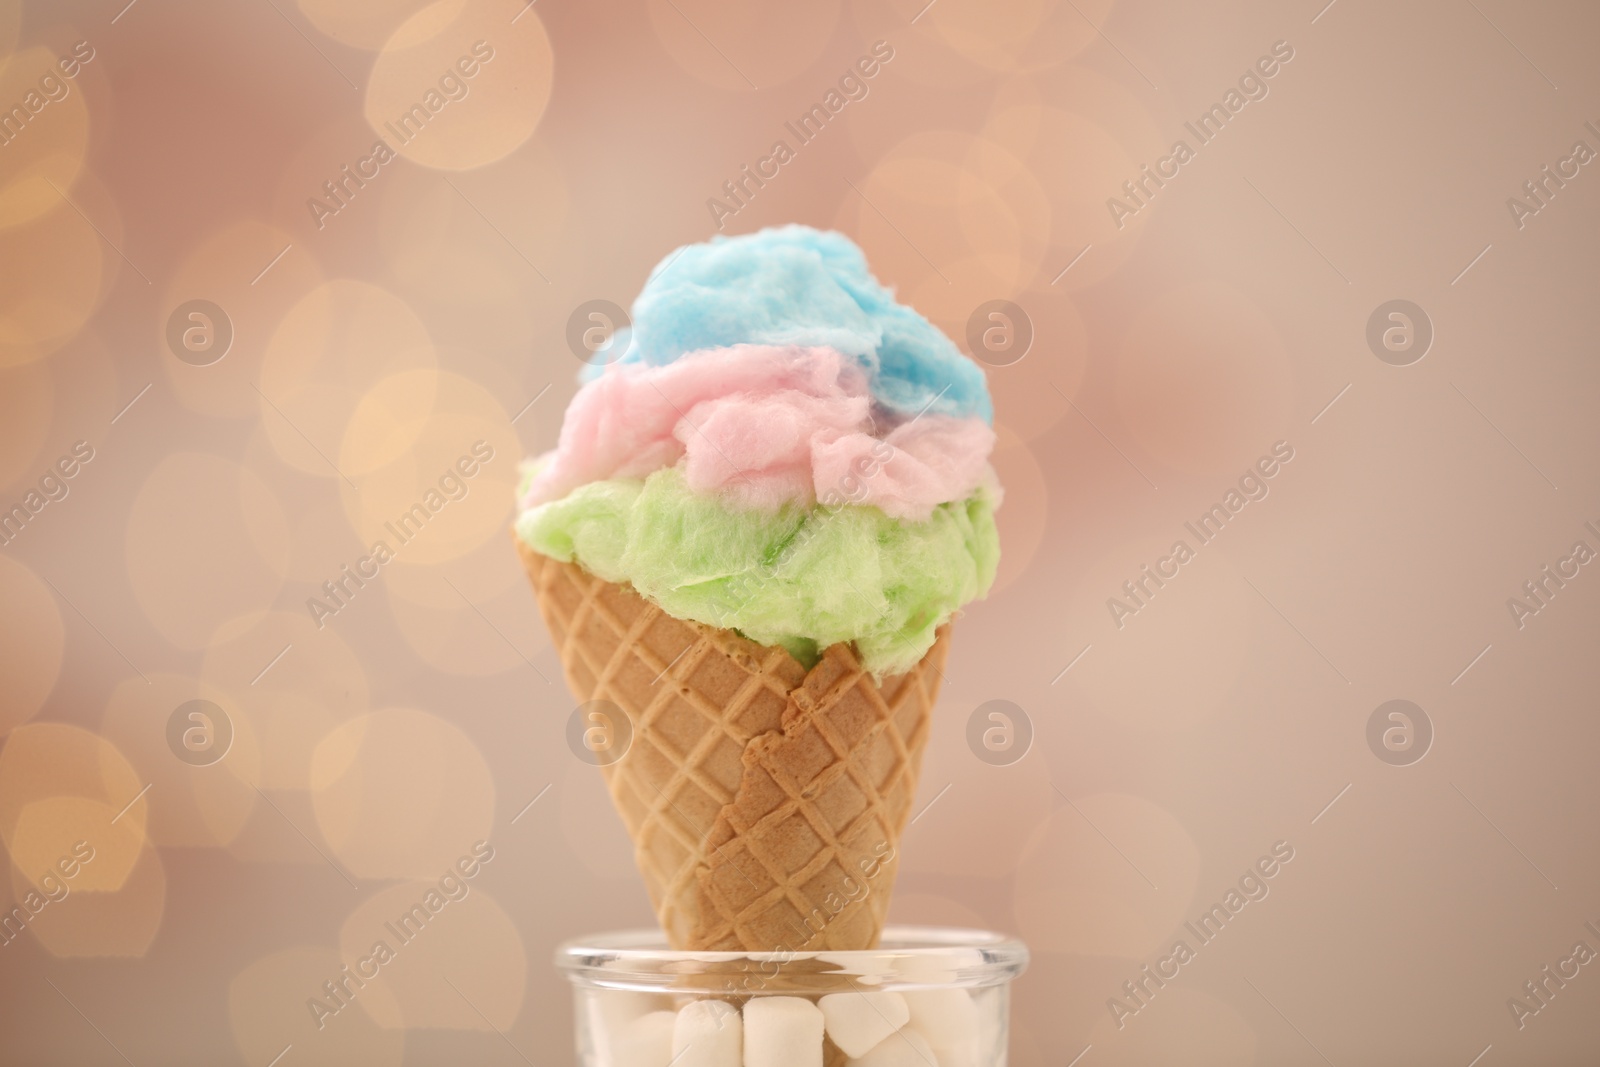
(625, 424)
(795, 578)
(756, 450)
(793, 285)
(917, 466)
(763, 426)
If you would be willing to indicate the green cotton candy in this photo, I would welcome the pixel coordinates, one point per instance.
(800, 579)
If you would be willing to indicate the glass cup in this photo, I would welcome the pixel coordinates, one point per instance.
(925, 997)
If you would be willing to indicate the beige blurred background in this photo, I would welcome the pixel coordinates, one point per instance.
(229, 457)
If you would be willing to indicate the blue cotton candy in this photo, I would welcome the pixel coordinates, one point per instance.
(793, 285)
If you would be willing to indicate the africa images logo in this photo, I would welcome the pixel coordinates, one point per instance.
(50, 89)
(55, 889)
(1139, 191)
(454, 85)
(1253, 886)
(1137, 593)
(453, 484)
(340, 990)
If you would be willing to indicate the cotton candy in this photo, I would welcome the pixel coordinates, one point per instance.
(624, 423)
(794, 285)
(799, 578)
(763, 426)
(758, 449)
(917, 466)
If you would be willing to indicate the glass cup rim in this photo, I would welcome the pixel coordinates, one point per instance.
(907, 957)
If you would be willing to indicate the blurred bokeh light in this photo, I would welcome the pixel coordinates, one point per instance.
(284, 283)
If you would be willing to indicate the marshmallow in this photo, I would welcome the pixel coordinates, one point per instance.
(903, 1049)
(782, 1032)
(644, 1042)
(948, 1018)
(708, 1033)
(608, 1012)
(859, 1021)
(994, 1007)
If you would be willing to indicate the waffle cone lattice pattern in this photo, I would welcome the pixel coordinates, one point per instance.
(765, 801)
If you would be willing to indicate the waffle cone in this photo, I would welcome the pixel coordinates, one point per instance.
(765, 801)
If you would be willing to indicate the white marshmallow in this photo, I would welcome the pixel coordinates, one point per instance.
(644, 1042)
(948, 1018)
(607, 1013)
(708, 1033)
(858, 1021)
(904, 1049)
(782, 1032)
(993, 1004)
(618, 1007)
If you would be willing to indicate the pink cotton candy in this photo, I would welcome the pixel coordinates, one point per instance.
(757, 450)
(621, 425)
(919, 465)
(763, 426)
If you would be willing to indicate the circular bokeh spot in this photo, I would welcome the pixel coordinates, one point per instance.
(742, 47)
(453, 930)
(27, 402)
(62, 785)
(388, 419)
(253, 273)
(32, 642)
(472, 277)
(293, 681)
(1023, 518)
(197, 751)
(993, 35)
(1033, 399)
(10, 27)
(436, 483)
(330, 349)
(971, 223)
(57, 829)
(396, 792)
(50, 281)
(48, 148)
(440, 619)
(1077, 162)
(360, 23)
(920, 56)
(90, 924)
(206, 540)
(460, 84)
